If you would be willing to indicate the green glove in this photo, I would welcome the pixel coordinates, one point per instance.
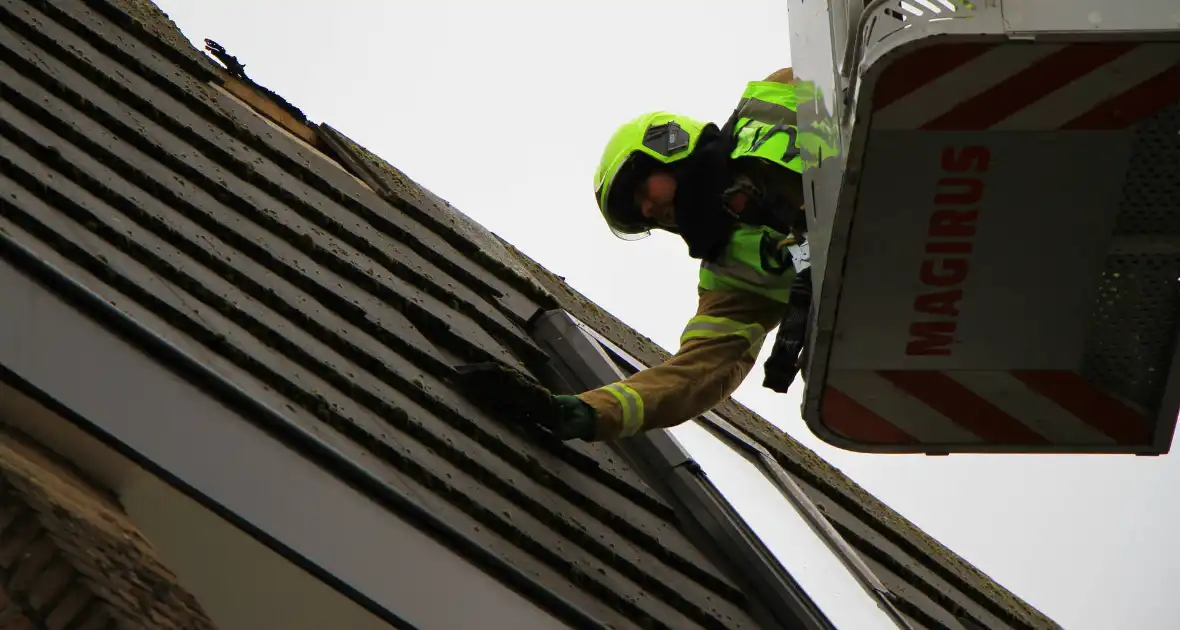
(571, 419)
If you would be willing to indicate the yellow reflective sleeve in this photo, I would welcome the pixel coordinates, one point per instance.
(769, 102)
(719, 347)
(708, 327)
(632, 405)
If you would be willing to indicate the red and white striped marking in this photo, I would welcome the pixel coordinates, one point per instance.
(995, 407)
(1023, 87)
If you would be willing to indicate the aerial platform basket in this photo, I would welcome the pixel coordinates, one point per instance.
(996, 241)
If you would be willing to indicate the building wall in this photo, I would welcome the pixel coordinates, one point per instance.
(70, 556)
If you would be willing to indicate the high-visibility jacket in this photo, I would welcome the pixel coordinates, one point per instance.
(743, 293)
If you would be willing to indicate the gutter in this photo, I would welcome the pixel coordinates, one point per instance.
(280, 428)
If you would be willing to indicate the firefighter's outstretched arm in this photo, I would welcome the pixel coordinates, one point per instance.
(718, 348)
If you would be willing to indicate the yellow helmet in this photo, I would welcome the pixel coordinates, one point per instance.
(635, 148)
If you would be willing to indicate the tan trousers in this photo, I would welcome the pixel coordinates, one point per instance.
(718, 349)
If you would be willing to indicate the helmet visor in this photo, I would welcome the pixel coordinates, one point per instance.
(622, 204)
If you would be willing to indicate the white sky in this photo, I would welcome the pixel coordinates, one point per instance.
(502, 109)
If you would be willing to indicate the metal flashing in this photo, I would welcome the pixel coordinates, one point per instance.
(770, 467)
(585, 358)
(592, 360)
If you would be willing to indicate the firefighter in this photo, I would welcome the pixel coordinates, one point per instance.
(735, 196)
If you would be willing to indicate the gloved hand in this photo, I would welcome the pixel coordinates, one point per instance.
(786, 355)
(523, 400)
(571, 419)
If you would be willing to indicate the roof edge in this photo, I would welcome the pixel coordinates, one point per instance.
(445, 220)
(144, 17)
(798, 459)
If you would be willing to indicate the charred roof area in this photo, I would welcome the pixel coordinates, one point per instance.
(331, 287)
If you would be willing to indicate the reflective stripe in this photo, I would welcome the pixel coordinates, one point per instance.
(708, 327)
(743, 273)
(632, 404)
(770, 104)
(767, 112)
(742, 266)
(784, 94)
(718, 278)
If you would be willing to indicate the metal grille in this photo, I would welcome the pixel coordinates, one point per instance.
(1130, 341)
(1132, 325)
(1151, 195)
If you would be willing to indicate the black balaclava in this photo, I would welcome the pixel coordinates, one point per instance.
(701, 181)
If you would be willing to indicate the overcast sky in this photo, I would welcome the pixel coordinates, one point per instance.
(502, 108)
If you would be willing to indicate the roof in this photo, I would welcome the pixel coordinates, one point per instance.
(344, 293)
